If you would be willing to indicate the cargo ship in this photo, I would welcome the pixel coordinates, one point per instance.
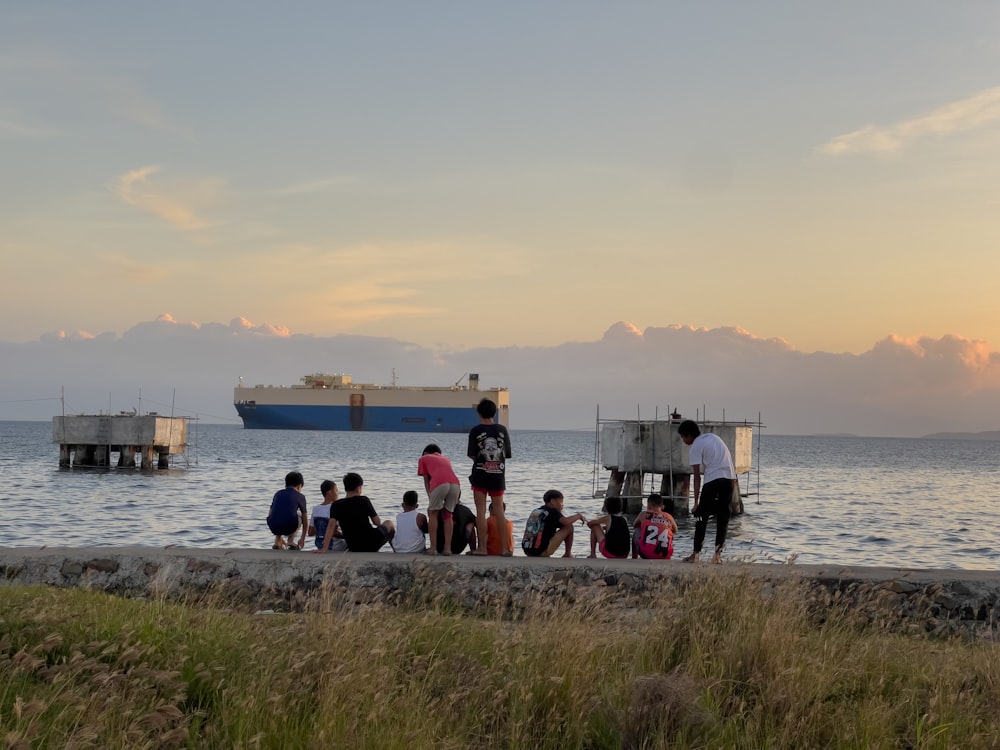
(333, 402)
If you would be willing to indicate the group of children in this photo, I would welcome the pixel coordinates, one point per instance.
(650, 536)
(350, 523)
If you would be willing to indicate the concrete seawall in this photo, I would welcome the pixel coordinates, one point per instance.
(940, 601)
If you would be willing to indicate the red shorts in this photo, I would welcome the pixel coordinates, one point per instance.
(602, 546)
(494, 494)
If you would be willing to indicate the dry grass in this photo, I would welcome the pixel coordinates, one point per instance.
(723, 663)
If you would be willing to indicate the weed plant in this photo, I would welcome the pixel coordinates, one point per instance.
(725, 662)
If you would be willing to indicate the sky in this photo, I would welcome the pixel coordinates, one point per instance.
(815, 180)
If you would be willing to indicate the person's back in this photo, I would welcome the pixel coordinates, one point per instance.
(362, 529)
(288, 512)
(547, 527)
(410, 526)
(610, 533)
(493, 546)
(319, 521)
(654, 530)
(711, 451)
(618, 539)
(655, 536)
(464, 532)
(488, 447)
(353, 514)
(437, 468)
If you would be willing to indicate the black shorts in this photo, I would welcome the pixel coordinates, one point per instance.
(282, 526)
(372, 541)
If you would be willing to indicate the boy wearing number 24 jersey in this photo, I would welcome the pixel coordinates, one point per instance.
(653, 538)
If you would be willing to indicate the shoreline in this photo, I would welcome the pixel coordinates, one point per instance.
(934, 600)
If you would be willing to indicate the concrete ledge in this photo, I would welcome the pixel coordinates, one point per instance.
(935, 600)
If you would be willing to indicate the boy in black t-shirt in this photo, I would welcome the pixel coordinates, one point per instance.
(547, 528)
(489, 448)
(363, 530)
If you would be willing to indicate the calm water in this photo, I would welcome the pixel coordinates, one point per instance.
(855, 501)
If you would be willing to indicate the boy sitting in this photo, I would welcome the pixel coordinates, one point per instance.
(547, 528)
(610, 532)
(653, 538)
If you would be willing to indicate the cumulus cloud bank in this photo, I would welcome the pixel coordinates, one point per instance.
(901, 386)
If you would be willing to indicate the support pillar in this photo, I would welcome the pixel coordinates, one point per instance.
(678, 491)
(632, 500)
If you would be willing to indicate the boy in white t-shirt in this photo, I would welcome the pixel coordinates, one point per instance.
(710, 458)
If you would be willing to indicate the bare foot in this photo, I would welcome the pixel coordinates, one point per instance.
(717, 558)
(692, 558)
(568, 554)
(591, 555)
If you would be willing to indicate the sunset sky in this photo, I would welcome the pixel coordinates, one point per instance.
(459, 174)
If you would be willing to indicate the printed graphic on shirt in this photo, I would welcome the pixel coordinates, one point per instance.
(534, 530)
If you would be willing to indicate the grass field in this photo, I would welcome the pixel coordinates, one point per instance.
(724, 663)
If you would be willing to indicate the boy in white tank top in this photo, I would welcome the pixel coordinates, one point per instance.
(411, 525)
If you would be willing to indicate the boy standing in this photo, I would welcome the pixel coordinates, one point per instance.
(288, 513)
(443, 492)
(489, 446)
(547, 528)
(363, 530)
(711, 456)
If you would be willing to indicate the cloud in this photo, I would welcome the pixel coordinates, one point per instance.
(242, 325)
(62, 336)
(312, 186)
(368, 282)
(901, 386)
(978, 111)
(177, 205)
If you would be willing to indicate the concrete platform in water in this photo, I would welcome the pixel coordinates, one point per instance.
(90, 440)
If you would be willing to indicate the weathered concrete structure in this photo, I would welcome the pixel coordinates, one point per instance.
(634, 449)
(937, 601)
(89, 440)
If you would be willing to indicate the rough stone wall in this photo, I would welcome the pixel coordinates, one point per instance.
(934, 601)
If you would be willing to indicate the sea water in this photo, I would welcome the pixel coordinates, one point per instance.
(894, 502)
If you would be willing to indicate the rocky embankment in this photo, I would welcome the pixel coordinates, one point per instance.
(935, 601)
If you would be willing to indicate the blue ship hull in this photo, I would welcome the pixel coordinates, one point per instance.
(357, 418)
